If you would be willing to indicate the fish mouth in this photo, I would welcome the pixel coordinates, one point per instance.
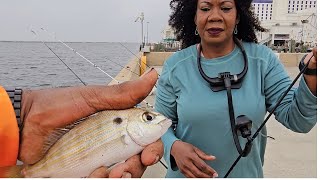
(165, 124)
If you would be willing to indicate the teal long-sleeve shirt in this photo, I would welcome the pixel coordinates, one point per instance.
(202, 115)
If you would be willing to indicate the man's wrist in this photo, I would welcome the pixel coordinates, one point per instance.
(15, 95)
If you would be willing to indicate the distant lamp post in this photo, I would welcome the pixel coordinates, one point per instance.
(141, 18)
(304, 21)
(147, 32)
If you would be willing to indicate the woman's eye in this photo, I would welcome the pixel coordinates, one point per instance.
(226, 9)
(205, 9)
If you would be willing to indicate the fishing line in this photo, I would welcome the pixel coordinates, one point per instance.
(148, 104)
(60, 59)
(128, 68)
(94, 65)
(269, 115)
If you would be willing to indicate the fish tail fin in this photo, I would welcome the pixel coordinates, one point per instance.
(11, 172)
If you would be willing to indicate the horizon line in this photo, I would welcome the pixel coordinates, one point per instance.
(26, 41)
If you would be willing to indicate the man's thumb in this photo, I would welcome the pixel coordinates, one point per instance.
(130, 93)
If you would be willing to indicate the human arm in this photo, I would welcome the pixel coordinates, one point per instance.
(297, 111)
(42, 111)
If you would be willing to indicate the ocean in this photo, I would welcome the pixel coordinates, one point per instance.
(32, 65)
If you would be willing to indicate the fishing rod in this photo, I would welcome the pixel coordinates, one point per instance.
(60, 59)
(148, 104)
(251, 139)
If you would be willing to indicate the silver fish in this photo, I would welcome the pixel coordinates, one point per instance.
(103, 139)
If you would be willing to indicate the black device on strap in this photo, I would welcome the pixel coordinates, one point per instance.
(226, 81)
(308, 71)
(15, 95)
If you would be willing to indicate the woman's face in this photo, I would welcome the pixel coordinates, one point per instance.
(216, 20)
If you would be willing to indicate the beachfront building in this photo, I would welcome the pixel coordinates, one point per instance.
(263, 9)
(287, 20)
(169, 39)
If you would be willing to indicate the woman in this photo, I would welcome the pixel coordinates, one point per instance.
(202, 144)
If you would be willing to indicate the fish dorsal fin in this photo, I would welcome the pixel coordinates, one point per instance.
(58, 133)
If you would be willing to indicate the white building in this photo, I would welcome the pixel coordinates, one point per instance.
(263, 9)
(298, 5)
(287, 20)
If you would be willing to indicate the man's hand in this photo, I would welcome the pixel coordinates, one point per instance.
(134, 166)
(45, 110)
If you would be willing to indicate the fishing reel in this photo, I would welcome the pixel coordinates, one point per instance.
(243, 128)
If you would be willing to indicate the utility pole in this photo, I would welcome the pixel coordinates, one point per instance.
(147, 32)
(141, 18)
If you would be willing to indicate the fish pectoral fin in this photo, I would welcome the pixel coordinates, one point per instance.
(125, 138)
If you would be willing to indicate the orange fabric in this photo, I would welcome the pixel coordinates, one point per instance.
(9, 131)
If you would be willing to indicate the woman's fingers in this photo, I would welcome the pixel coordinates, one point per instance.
(203, 155)
(197, 172)
(206, 169)
(314, 51)
(202, 165)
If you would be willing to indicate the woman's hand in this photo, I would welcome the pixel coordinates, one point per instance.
(311, 80)
(190, 161)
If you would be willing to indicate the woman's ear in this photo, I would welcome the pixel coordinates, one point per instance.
(238, 19)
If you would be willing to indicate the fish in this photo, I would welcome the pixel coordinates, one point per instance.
(103, 139)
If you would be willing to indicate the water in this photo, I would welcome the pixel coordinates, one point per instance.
(32, 65)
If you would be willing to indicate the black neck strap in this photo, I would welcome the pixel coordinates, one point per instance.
(217, 83)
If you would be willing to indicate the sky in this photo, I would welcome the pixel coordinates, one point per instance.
(82, 20)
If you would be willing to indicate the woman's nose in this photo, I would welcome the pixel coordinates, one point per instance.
(215, 15)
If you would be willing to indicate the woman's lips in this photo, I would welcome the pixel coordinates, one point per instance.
(214, 31)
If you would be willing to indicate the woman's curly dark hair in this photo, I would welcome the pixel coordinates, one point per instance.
(184, 11)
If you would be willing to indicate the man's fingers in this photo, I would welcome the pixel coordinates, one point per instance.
(118, 170)
(152, 153)
(101, 172)
(131, 168)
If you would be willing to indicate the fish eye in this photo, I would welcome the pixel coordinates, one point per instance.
(147, 116)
